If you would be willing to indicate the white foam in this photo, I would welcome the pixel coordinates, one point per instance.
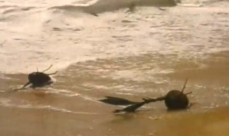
(40, 37)
(8, 103)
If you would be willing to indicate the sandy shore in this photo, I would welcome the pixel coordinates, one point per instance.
(212, 123)
(27, 122)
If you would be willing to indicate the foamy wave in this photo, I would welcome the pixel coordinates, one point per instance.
(111, 5)
(61, 92)
(7, 103)
(138, 75)
(46, 90)
(3, 76)
(51, 90)
(221, 3)
(38, 39)
(18, 9)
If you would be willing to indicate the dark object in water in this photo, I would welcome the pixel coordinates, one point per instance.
(131, 108)
(174, 100)
(117, 101)
(137, 105)
(39, 79)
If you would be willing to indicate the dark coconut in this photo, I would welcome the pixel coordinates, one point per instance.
(175, 100)
(38, 78)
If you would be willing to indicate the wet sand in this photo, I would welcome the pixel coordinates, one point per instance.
(71, 106)
(36, 122)
(212, 123)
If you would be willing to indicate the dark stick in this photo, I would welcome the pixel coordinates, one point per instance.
(47, 69)
(184, 86)
(23, 87)
(188, 93)
(134, 107)
(52, 73)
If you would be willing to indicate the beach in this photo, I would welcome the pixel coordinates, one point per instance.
(113, 51)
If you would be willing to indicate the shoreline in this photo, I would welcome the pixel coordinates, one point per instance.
(213, 122)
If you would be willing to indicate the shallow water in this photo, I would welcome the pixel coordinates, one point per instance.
(132, 55)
